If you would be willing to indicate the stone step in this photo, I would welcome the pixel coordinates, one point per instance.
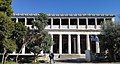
(69, 56)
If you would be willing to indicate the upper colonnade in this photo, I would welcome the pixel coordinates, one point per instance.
(67, 21)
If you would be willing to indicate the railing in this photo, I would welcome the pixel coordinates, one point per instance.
(73, 27)
(81, 27)
(98, 27)
(55, 27)
(91, 27)
(64, 26)
(48, 27)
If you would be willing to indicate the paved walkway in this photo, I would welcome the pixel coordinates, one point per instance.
(81, 61)
(78, 63)
(85, 63)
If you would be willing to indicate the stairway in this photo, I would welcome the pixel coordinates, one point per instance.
(68, 56)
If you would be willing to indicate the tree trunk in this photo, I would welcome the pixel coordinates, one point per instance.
(35, 58)
(3, 58)
(25, 43)
(19, 53)
(6, 57)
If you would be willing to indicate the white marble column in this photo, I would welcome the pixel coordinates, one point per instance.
(23, 50)
(97, 47)
(16, 20)
(74, 45)
(51, 23)
(88, 42)
(14, 52)
(60, 44)
(69, 43)
(60, 24)
(33, 19)
(78, 43)
(86, 23)
(69, 23)
(113, 19)
(51, 49)
(95, 23)
(25, 21)
(42, 52)
(78, 23)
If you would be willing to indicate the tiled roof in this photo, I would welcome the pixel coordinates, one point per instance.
(72, 15)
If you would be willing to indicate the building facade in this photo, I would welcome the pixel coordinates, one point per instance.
(71, 33)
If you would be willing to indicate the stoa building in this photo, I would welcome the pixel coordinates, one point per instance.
(72, 33)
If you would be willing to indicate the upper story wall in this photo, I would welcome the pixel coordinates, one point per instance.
(67, 21)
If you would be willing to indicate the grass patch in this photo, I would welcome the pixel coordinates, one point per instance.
(9, 62)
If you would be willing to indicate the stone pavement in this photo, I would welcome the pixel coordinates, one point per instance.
(83, 63)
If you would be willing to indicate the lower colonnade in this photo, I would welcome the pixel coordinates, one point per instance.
(73, 44)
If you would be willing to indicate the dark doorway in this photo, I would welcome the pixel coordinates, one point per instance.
(64, 43)
(83, 43)
(56, 44)
(92, 44)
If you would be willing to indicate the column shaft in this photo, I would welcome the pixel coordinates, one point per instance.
(78, 43)
(95, 23)
(69, 44)
(86, 23)
(78, 23)
(14, 52)
(60, 44)
(51, 23)
(88, 42)
(60, 23)
(25, 21)
(16, 20)
(51, 50)
(41, 52)
(97, 47)
(69, 23)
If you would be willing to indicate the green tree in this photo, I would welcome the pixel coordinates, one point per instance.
(19, 34)
(110, 39)
(41, 39)
(6, 29)
(5, 6)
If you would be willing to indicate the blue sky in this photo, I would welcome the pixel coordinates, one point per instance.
(67, 6)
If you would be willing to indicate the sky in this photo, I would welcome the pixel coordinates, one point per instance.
(67, 6)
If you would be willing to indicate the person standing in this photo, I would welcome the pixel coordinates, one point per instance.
(51, 56)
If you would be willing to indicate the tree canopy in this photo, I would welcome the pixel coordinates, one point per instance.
(110, 38)
(5, 6)
(41, 39)
(6, 29)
